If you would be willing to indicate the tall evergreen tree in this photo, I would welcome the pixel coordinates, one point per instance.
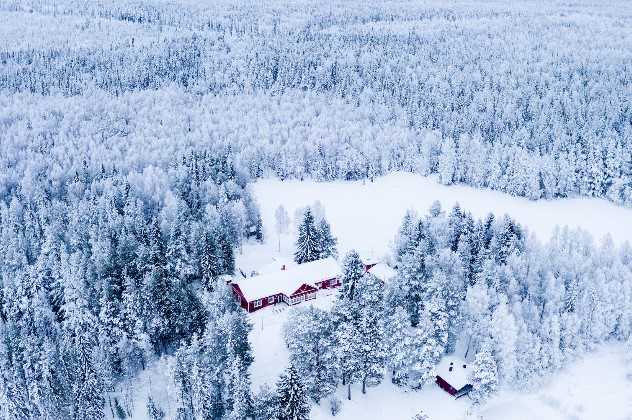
(309, 336)
(308, 242)
(372, 354)
(352, 270)
(396, 333)
(292, 399)
(327, 241)
(484, 376)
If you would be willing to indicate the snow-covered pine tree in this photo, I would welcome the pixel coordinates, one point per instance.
(309, 337)
(328, 242)
(504, 332)
(154, 411)
(265, 404)
(447, 161)
(177, 255)
(183, 379)
(308, 241)
(352, 270)
(239, 390)
(372, 354)
(292, 399)
(456, 220)
(413, 279)
(438, 316)
(348, 341)
(396, 333)
(406, 238)
(484, 375)
(211, 260)
(81, 343)
(420, 356)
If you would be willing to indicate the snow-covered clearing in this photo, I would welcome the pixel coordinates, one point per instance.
(596, 387)
(365, 215)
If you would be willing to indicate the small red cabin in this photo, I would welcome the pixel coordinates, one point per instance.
(453, 375)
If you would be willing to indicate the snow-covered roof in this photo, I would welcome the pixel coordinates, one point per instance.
(383, 272)
(369, 257)
(289, 280)
(276, 265)
(458, 377)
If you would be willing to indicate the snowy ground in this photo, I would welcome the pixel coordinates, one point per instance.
(366, 216)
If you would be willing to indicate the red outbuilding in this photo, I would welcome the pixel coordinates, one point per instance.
(453, 375)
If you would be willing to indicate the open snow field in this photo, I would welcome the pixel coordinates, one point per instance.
(366, 216)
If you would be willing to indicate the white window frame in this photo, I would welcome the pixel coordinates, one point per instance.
(258, 303)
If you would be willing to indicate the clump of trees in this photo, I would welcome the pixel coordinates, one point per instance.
(315, 240)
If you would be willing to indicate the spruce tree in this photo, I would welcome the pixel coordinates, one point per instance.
(328, 242)
(352, 270)
(81, 343)
(292, 399)
(406, 238)
(211, 260)
(309, 337)
(308, 242)
(154, 411)
(239, 391)
(484, 375)
(371, 354)
(413, 277)
(396, 333)
(265, 404)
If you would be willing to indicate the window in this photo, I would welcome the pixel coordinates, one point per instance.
(271, 299)
(257, 303)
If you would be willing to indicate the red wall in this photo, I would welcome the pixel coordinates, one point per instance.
(240, 296)
(306, 288)
(326, 284)
(445, 385)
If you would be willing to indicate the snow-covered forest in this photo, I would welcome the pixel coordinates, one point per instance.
(131, 132)
(532, 99)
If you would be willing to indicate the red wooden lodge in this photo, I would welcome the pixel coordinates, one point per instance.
(292, 285)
